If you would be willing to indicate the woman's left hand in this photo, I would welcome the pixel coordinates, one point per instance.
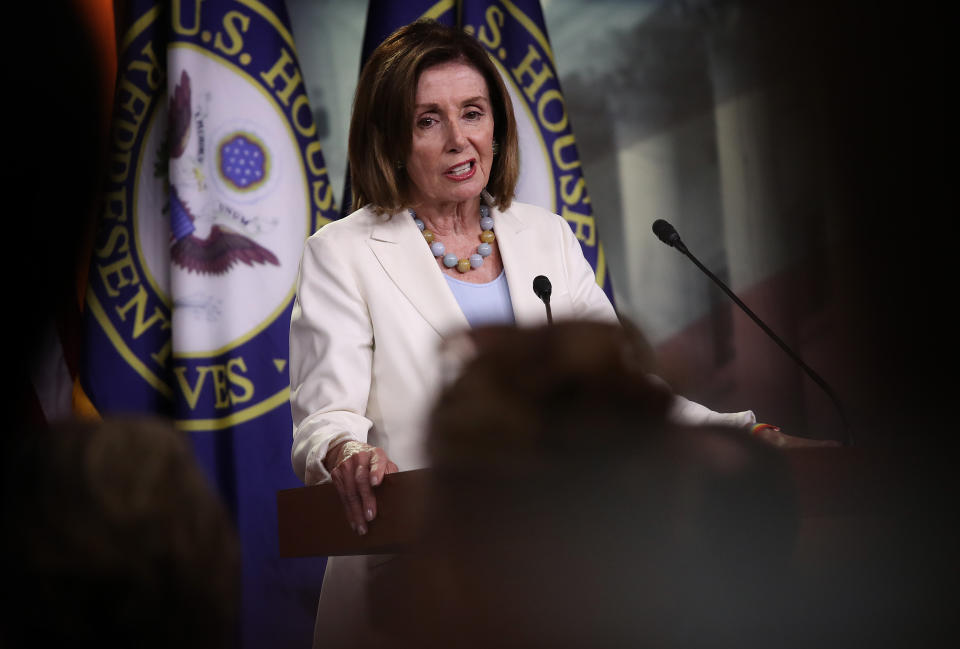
(776, 437)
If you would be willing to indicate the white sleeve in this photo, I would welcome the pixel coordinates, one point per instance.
(690, 413)
(589, 300)
(331, 356)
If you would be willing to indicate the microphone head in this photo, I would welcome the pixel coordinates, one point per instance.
(542, 287)
(665, 232)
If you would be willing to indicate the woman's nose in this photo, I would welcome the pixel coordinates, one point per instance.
(456, 140)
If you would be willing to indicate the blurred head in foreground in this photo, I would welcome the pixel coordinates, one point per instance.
(568, 512)
(113, 538)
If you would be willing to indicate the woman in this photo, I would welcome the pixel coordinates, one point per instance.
(436, 244)
(432, 134)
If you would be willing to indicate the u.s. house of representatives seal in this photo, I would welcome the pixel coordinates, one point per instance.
(216, 179)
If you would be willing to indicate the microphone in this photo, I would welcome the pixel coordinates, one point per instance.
(543, 288)
(668, 234)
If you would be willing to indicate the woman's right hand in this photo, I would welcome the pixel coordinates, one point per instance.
(356, 468)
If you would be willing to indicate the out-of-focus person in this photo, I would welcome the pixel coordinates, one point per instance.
(567, 510)
(114, 538)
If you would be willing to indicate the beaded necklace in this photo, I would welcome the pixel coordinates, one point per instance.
(449, 259)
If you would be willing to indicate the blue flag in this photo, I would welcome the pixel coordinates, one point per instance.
(515, 35)
(215, 179)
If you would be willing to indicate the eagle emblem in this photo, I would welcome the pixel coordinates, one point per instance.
(241, 161)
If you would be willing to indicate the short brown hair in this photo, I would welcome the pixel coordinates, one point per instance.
(381, 128)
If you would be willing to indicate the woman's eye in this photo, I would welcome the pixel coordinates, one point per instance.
(473, 114)
(426, 122)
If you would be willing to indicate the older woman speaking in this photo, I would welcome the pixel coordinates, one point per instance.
(436, 245)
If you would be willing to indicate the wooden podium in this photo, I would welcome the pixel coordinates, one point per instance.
(870, 562)
(312, 522)
(839, 492)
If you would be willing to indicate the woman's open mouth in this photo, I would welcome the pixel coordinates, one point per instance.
(462, 171)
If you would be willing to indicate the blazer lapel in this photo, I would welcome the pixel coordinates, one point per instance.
(516, 241)
(405, 256)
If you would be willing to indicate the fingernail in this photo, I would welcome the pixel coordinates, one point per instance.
(361, 530)
(369, 515)
(374, 481)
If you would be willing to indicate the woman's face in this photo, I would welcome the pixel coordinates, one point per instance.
(452, 149)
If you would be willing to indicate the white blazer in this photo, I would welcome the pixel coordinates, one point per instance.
(373, 307)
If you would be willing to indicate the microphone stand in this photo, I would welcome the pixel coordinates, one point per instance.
(679, 245)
